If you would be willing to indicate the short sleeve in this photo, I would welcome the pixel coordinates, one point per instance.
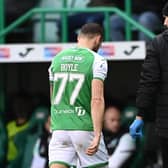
(51, 74)
(100, 68)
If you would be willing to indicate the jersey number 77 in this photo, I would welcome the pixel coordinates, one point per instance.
(65, 78)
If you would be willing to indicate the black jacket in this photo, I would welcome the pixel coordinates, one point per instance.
(153, 89)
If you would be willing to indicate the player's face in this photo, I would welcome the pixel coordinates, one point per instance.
(97, 43)
(112, 120)
(166, 21)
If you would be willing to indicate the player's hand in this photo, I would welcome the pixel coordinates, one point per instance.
(136, 128)
(92, 149)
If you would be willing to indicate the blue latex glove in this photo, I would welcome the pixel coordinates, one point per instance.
(136, 128)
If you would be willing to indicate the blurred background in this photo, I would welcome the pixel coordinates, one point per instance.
(24, 87)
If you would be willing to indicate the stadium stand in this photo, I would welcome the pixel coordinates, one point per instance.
(14, 10)
(32, 77)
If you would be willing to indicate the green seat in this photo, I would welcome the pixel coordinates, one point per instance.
(38, 118)
(28, 153)
(128, 115)
(138, 160)
(20, 141)
(37, 122)
(26, 139)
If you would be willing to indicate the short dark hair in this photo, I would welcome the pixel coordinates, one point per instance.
(91, 29)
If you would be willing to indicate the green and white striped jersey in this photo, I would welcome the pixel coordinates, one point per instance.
(71, 74)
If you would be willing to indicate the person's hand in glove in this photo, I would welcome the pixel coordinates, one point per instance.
(136, 127)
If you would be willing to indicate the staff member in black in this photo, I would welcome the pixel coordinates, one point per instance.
(153, 89)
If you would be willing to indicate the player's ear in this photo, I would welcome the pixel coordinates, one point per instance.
(78, 38)
(98, 39)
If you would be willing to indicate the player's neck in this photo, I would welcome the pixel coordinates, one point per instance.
(85, 44)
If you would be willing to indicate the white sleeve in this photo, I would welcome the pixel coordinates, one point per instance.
(123, 151)
(100, 68)
(51, 74)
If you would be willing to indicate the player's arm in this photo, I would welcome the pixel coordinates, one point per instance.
(97, 99)
(97, 103)
(97, 113)
(97, 106)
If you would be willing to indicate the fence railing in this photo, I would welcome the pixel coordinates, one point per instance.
(106, 10)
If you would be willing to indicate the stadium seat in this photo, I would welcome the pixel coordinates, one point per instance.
(20, 141)
(38, 118)
(28, 152)
(35, 129)
(128, 115)
(50, 22)
(138, 160)
(26, 139)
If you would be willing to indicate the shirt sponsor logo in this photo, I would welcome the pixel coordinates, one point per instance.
(4, 52)
(51, 51)
(80, 111)
(64, 111)
(107, 50)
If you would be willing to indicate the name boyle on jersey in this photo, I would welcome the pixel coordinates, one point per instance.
(69, 67)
